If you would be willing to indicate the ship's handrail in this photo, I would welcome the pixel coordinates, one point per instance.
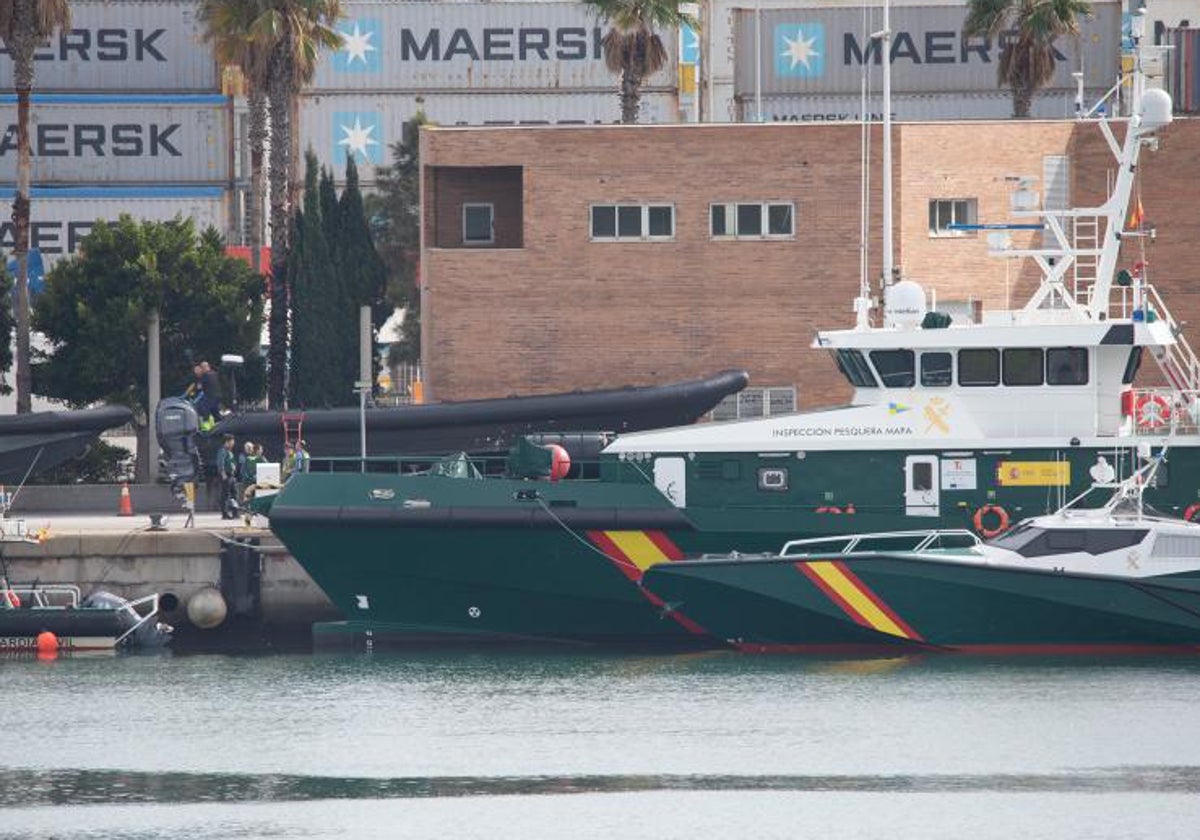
(1163, 412)
(46, 594)
(152, 600)
(854, 543)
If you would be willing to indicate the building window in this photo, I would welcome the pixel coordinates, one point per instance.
(633, 222)
(1023, 366)
(978, 367)
(477, 224)
(944, 213)
(753, 220)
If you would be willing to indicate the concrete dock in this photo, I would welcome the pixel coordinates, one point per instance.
(268, 598)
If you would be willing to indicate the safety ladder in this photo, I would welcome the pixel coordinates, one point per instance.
(293, 427)
(1085, 238)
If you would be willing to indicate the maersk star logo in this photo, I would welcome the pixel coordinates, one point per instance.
(361, 46)
(360, 133)
(800, 50)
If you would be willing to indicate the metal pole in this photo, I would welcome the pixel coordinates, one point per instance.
(886, 50)
(154, 393)
(758, 62)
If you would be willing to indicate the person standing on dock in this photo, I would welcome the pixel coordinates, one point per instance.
(302, 457)
(227, 473)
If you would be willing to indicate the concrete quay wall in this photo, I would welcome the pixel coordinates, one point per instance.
(264, 587)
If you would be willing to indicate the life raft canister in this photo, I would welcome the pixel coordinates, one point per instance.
(1001, 524)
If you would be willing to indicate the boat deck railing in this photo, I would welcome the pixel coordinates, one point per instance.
(905, 541)
(1163, 412)
(58, 595)
(480, 466)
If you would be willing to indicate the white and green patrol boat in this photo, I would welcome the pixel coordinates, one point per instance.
(951, 425)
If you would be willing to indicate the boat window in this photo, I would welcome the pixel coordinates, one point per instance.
(774, 479)
(1067, 366)
(1091, 541)
(1023, 366)
(895, 367)
(922, 475)
(1175, 545)
(855, 368)
(1016, 537)
(1132, 366)
(936, 370)
(978, 367)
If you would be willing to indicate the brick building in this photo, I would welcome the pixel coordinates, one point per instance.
(587, 257)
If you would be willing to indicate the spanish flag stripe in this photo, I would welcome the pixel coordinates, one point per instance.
(852, 595)
(638, 548)
(614, 553)
(668, 548)
(878, 602)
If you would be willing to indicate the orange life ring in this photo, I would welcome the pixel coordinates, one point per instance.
(1151, 411)
(1001, 526)
(829, 510)
(13, 599)
(1189, 515)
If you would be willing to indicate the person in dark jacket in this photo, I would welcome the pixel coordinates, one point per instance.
(227, 472)
(208, 395)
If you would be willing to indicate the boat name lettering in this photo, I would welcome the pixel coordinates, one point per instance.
(842, 431)
(30, 642)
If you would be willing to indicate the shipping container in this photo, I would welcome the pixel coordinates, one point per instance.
(1183, 68)
(332, 124)
(418, 46)
(87, 139)
(125, 45)
(62, 216)
(818, 50)
(907, 106)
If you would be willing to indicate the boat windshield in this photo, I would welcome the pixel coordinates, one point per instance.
(1016, 537)
(1032, 541)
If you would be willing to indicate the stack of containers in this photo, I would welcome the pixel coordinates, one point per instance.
(465, 63)
(127, 117)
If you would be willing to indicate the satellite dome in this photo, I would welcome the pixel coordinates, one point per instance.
(1156, 109)
(904, 304)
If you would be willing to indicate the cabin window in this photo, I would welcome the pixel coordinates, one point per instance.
(978, 368)
(632, 222)
(922, 475)
(753, 220)
(477, 224)
(855, 368)
(1059, 541)
(773, 479)
(1172, 545)
(1023, 366)
(936, 370)
(1067, 366)
(1132, 366)
(895, 367)
(946, 213)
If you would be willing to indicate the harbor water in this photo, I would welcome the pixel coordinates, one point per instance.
(499, 745)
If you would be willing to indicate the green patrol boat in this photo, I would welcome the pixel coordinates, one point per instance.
(1117, 579)
(970, 426)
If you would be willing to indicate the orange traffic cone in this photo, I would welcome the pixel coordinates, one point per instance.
(126, 508)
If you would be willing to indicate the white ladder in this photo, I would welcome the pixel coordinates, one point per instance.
(1085, 240)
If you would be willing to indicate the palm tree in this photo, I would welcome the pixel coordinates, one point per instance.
(294, 32)
(25, 25)
(632, 47)
(227, 25)
(1027, 61)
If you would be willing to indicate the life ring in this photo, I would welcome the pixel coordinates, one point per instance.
(829, 510)
(1001, 525)
(14, 600)
(1151, 411)
(1189, 515)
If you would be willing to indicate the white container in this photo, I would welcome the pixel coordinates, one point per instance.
(87, 139)
(909, 107)
(369, 124)
(125, 45)
(420, 46)
(62, 216)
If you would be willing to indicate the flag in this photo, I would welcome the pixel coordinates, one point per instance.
(1136, 217)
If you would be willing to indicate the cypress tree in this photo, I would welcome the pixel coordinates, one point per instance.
(363, 273)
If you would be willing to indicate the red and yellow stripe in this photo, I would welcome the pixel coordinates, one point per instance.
(636, 551)
(855, 598)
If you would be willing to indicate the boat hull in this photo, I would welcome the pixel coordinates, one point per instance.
(893, 604)
(75, 628)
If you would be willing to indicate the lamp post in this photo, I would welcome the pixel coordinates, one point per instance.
(363, 388)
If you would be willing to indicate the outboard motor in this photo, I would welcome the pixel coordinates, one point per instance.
(177, 425)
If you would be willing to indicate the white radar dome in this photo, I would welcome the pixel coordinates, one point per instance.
(1156, 109)
(904, 304)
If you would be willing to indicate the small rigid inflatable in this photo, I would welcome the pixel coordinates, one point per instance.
(100, 621)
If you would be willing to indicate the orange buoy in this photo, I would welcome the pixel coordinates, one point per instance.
(126, 508)
(47, 642)
(560, 462)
